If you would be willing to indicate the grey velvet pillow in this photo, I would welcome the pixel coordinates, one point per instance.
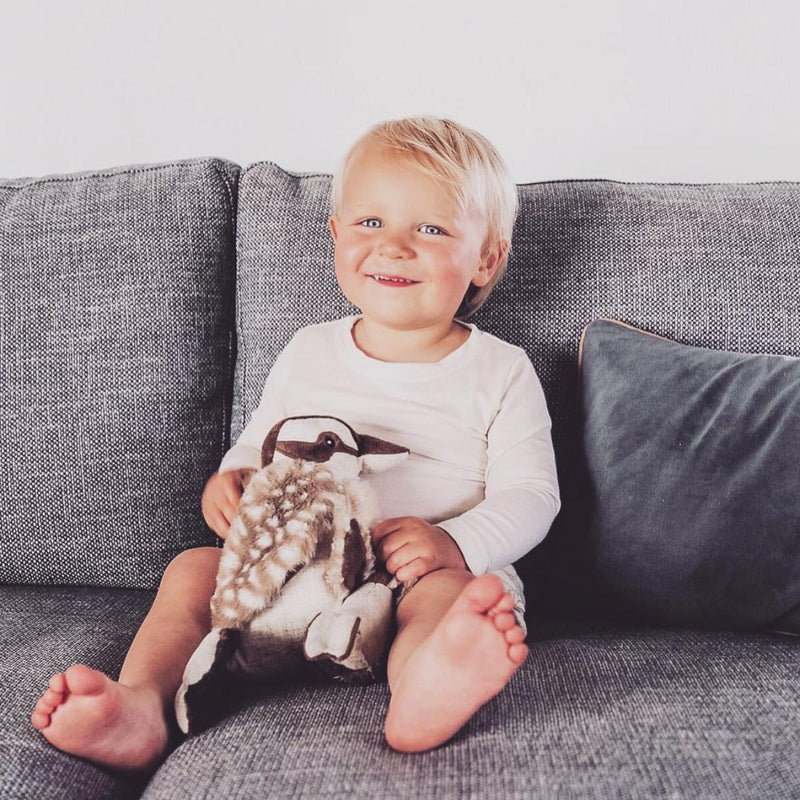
(693, 457)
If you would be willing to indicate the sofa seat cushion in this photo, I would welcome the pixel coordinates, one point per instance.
(606, 713)
(43, 631)
(116, 339)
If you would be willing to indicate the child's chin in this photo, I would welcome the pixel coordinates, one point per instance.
(402, 321)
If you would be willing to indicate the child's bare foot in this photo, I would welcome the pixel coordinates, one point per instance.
(468, 658)
(89, 715)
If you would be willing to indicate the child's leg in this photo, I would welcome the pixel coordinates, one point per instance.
(457, 646)
(126, 724)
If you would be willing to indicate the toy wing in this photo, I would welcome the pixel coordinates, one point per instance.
(281, 518)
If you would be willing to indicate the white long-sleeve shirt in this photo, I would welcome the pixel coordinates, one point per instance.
(481, 462)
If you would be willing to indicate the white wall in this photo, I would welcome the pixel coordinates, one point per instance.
(695, 90)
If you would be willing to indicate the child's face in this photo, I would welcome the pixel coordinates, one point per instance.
(405, 254)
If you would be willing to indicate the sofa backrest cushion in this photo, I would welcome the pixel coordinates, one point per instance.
(116, 339)
(284, 273)
(714, 265)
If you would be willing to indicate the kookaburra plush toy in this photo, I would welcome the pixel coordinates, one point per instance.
(297, 580)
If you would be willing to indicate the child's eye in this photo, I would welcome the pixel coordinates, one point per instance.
(367, 223)
(431, 229)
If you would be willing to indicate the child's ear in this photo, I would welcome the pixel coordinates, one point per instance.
(332, 224)
(491, 258)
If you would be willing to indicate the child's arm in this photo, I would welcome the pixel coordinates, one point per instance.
(521, 494)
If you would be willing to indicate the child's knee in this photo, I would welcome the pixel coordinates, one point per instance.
(437, 588)
(446, 578)
(195, 567)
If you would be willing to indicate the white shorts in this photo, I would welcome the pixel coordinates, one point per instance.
(513, 585)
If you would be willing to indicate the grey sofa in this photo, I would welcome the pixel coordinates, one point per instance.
(140, 310)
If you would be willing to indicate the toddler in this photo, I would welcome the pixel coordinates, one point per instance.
(422, 214)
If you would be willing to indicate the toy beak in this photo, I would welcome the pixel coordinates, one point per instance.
(378, 455)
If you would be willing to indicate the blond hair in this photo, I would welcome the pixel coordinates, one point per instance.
(466, 163)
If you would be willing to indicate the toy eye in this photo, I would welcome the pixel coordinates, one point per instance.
(329, 441)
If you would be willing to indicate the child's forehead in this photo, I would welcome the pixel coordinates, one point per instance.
(375, 172)
(381, 162)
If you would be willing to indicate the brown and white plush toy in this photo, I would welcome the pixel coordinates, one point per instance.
(297, 579)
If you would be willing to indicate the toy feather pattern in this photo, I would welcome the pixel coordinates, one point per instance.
(287, 513)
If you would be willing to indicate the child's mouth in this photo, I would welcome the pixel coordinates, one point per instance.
(392, 280)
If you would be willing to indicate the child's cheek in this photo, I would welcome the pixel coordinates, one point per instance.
(348, 255)
(454, 279)
(348, 264)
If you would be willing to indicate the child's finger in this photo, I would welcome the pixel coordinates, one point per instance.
(414, 569)
(391, 543)
(383, 529)
(231, 490)
(400, 557)
(227, 510)
(217, 523)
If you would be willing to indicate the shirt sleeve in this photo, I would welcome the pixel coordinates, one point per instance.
(521, 493)
(246, 453)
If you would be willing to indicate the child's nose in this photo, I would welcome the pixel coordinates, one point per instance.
(395, 245)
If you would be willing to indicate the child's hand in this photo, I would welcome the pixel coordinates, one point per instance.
(221, 497)
(411, 548)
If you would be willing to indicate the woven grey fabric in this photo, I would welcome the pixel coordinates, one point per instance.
(609, 713)
(116, 340)
(714, 265)
(42, 631)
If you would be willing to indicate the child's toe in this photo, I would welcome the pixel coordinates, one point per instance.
(517, 653)
(58, 683)
(481, 594)
(504, 621)
(515, 635)
(43, 707)
(52, 698)
(505, 603)
(81, 679)
(40, 720)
